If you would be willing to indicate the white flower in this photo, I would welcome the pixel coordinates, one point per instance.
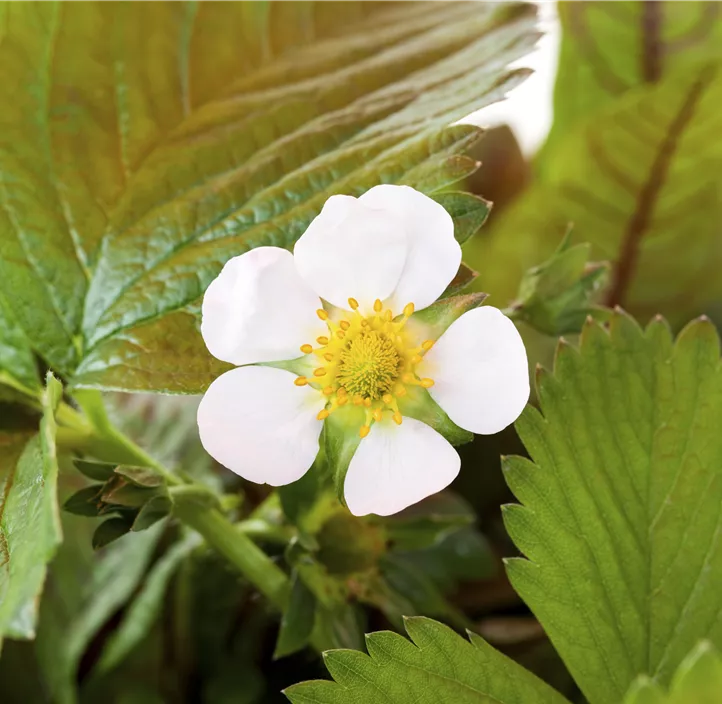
(342, 301)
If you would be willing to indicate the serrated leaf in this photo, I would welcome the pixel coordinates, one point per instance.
(17, 363)
(468, 211)
(29, 518)
(607, 50)
(211, 130)
(697, 681)
(436, 666)
(621, 508)
(635, 180)
(145, 608)
(297, 620)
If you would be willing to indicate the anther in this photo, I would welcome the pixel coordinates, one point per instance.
(328, 391)
(341, 400)
(306, 349)
(378, 306)
(427, 383)
(378, 414)
(342, 391)
(323, 340)
(322, 415)
(407, 378)
(397, 418)
(388, 315)
(321, 313)
(367, 402)
(340, 334)
(353, 303)
(319, 372)
(364, 430)
(401, 391)
(328, 356)
(300, 381)
(358, 400)
(416, 359)
(345, 325)
(409, 309)
(387, 398)
(427, 345)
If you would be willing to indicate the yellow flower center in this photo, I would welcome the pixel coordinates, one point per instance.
(369, 364)
(366, 360)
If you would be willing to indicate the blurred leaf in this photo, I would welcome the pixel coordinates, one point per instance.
(635, 180)
(463, 555)
(297, 620)
(99, 471)
(340, 626)
(85, 502)
(151, 512)
(556, 296)
(438, 665)
(608, 49)
(349, 544)
(621, 508)
(698, 680)
(84, 591)
(29, 519)
(145, 608)
(428, 522)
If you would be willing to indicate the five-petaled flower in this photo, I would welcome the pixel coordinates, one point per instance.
(342, 307)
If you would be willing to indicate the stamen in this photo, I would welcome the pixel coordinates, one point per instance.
(342, 391)
(397, 418)
(328, 391)
(416, 359)
(387, 399)
(321, 313)
(367, 402)
(364, 431)
(378, 306)
(345, 325)
(322, 415)
(323, 340)
(401, 391)
(358, 400)
(426, 345)
(319, 372)
(427, 383)
(306, 349)
(340, 334)
(300, 381)
(378, 414)
(353, 303)
(409, 310)
(341, 400)
(328, 356)
(388, 315)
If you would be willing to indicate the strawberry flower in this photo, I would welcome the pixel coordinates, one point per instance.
(344, 337)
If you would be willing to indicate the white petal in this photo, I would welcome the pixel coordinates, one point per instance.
(352, 251)
(396, 466)
(433, 256)
(259, 309)
(480, 371)
(256, 422)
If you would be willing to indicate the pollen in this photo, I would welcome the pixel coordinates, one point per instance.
(369, 365)
(366, 361)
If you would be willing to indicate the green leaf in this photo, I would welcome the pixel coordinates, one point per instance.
(468, 211)
(111, 530)
(98, 471)
(297, 620)
(145, 608)
(17, 363)
(437, 666)
(212, 130)
(621, 507)
(87, 589)
(29, 518)
(635, 180)
(697, 681)
(85, 502)
(607, 50)
(556, 296)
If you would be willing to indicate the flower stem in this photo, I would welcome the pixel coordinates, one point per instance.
(240, 550)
